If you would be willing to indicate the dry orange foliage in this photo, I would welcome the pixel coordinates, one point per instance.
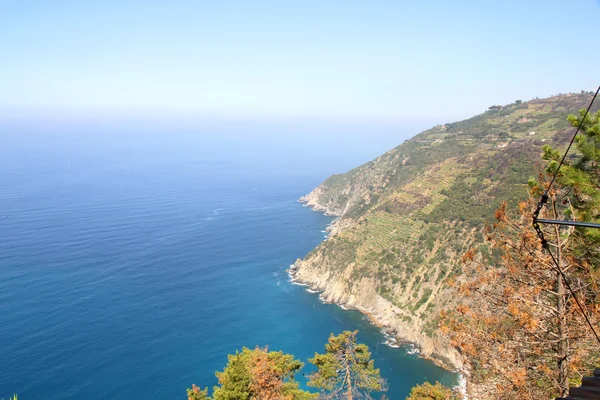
(267, 380)
(518, 325)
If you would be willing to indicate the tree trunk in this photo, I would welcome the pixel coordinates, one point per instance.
(348, 360)
(563, 350)
(348, 382)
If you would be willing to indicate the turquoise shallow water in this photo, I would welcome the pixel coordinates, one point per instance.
(131, 264)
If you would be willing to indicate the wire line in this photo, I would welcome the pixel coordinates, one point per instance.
(571, 143)
(584, 312)
(544, 200)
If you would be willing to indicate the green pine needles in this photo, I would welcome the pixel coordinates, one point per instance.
(427, 391)
(346, 369)
(580, 173)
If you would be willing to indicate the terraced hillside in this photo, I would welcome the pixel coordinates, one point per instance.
(407, 217)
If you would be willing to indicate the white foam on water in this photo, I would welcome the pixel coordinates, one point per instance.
(298, 283)
(390, 338)
(461, 386)
(323, 300)
(412, 349)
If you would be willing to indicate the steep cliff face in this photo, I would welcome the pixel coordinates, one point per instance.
(407, 217)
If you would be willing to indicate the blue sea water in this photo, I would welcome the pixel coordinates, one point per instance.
(133, 260)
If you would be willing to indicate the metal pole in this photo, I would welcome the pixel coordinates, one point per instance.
(568, 223)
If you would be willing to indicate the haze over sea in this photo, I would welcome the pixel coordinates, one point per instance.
(134, 258)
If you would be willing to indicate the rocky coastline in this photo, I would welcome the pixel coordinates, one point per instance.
(385, 316)
(380, 312)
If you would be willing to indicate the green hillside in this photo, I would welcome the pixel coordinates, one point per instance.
(407, 217)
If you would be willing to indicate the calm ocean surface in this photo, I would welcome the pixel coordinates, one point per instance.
(133, 260)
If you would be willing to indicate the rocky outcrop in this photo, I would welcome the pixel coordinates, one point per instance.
(381, 312)
(328, 208)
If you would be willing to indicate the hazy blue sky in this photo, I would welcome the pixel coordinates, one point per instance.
(373, 60)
